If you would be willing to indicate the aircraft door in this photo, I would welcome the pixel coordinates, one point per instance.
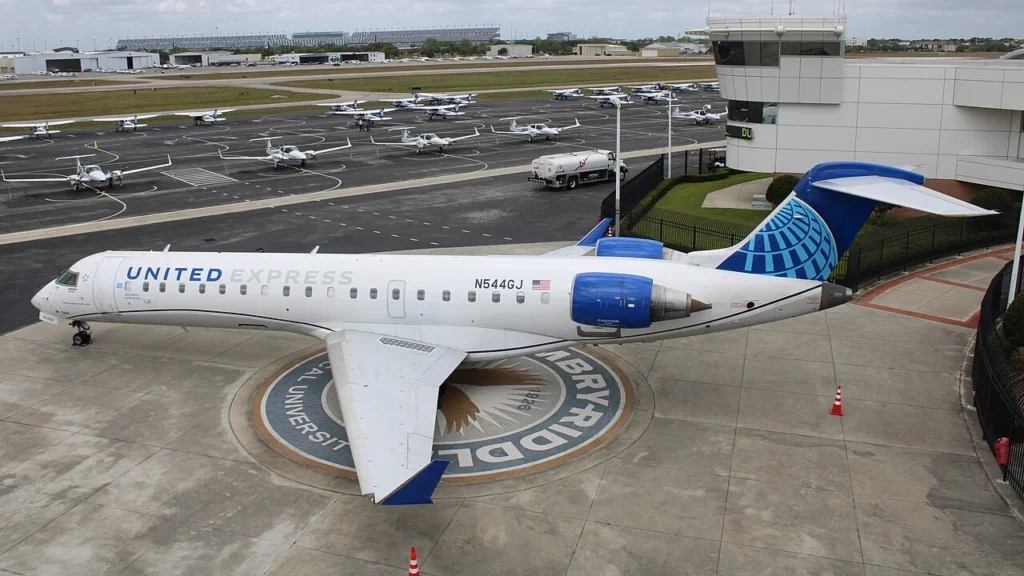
(396, 299)
(103, 285)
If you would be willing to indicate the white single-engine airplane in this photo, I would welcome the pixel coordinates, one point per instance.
(426, 140)
(612, 100)
(442, 112)
(340, 107)
(204, 117)
(684, 87)
(367, 115)
(89, 175)
(40, 129)
(391, 354)
(606, 91)
(445, 98)
(662, 97)
(126, 123)
(702, 116)
(647, 88)
(566, 94)
(287, 154)
(532, 131)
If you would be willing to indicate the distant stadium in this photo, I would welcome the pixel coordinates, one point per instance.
(400, 38)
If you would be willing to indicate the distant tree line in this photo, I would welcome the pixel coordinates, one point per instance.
(963, 45)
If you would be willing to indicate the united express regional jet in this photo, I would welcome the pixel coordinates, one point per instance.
(396, 326)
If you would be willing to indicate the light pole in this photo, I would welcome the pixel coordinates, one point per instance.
(1015, 269)
(618, 164)
(668, 165)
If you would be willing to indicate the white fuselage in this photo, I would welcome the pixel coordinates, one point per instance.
(489, 306)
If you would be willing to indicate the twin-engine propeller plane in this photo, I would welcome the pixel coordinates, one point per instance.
(89, 175)
(126, 123)
(701, 116)
(40, 129)
(532, 131)
(425, 140)
(210, 116)
(287, 155)
(391, 354)
(443, 112)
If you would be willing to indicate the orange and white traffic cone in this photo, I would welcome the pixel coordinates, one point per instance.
(837, 405)
(414, 567)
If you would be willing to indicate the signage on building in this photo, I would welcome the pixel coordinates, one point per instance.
(737, 131)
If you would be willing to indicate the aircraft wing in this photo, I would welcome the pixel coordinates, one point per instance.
(6, 179)
(571, 126)
(325, 150)
(137, 170)
(57, 123)
(509, 132)
(372, 141)
(193, 114)
(474, 135)
(23, 125)
(12, 138)
(125, 118)
(223, 157)
(388, 389)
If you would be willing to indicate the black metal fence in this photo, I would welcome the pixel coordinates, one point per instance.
(998, 388)
(635, 189)
(878, 251)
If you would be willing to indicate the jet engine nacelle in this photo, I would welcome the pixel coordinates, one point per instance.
(623, 247)
(627, 301)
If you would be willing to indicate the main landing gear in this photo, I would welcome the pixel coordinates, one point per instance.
(84, 336)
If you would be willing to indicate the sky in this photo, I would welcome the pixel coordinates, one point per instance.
(92, 23)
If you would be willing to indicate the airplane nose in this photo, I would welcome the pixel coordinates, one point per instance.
(41, 300)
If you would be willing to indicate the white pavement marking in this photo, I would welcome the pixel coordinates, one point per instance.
(198, 177)
(234, 208)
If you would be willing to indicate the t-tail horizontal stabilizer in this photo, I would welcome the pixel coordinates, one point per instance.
(419, 488)
(805, 236)
(587, 243)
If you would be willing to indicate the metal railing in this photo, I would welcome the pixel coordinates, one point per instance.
(998, 387)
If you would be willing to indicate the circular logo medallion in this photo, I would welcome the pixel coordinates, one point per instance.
(494, 420)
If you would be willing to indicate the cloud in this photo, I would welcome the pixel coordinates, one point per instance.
(61, 19)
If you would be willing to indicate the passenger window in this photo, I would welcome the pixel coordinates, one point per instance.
(495, 296)
(127, 285)
(472, 295)
(520, 297)
(243, 289)
(420, 294)
(145, 286)
(396, 293)
(265, 290)
(353, 292)
(163, 286)
(330, 292)
(309, 291)
(287, 290)
(202, 288)
(545, 297)
(223, 289)
(373, 293)
(181, 287)
(446, 295)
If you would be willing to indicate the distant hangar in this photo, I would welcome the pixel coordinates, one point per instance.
(68, 61)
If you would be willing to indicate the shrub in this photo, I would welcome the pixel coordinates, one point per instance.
(780, 188)
(993, 199)
(1017, 360)
(1013, 323)
(881, 209)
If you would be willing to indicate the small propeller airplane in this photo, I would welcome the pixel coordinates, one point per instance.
(443, 112)
(647, 88)
(403, 103)
(662, 97)
(287, 155)
(445, 98)
(612, 100)
(702, 116)
(426, 140)
(606, 91)
(341, 107)
(532, 131)
(692, 87)
(126, 123)
(89, 175)
(40, 129)
(567, 93)
(711, 87)
(367, 115)
(204, 117)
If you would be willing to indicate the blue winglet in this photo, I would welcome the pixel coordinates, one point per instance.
(596, 234)
(420, 487)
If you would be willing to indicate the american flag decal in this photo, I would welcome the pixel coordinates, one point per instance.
(542, 284)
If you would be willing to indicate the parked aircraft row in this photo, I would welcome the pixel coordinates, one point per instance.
(122, 123)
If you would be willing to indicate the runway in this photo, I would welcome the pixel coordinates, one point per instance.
(199, 177)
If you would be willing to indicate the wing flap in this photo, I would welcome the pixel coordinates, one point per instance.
(902, 193)
(388, 390)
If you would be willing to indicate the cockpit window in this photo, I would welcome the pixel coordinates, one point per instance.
(68, 278)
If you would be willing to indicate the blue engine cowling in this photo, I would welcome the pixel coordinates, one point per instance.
(629, 248)
(627, 301)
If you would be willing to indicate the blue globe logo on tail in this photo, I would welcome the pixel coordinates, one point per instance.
(794, 243)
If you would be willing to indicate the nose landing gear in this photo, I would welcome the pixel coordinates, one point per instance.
(83, 337)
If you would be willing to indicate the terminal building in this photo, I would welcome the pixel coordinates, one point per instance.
(795, 101)
(84, 61)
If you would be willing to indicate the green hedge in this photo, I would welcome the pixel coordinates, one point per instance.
(659, 191)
